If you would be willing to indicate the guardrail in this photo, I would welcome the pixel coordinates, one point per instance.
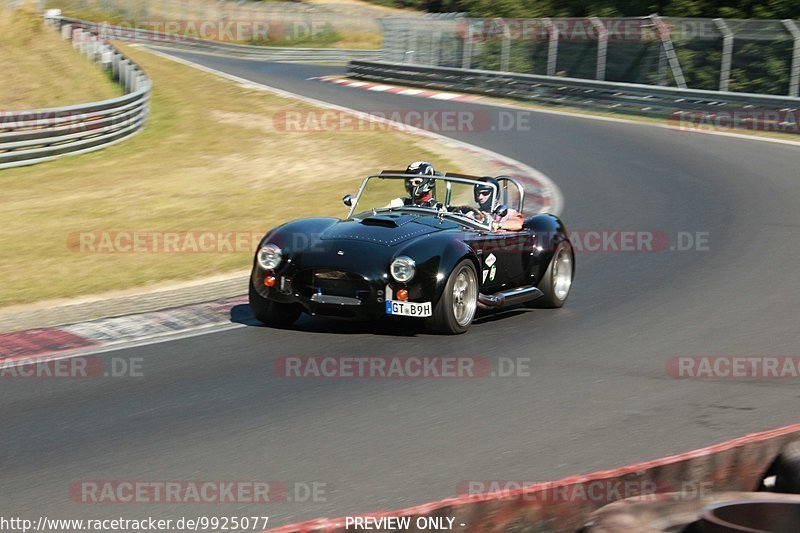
(266, 53)
(687, 108)
(35, 136)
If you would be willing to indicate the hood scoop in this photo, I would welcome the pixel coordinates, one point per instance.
(388, 229)
(389, 220)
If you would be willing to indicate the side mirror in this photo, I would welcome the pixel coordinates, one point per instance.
(348, 200)
(501, 210)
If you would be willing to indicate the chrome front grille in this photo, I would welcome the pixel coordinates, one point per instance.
(317, 284)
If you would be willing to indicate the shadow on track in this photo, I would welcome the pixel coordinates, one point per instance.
(392, 326)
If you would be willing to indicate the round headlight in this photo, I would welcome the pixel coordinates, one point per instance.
(269, 257)
(402, 269)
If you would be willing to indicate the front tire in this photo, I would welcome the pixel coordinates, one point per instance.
(557, 281)
(272, 313)
(456, 308)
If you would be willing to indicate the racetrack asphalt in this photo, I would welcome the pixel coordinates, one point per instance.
(598, 395)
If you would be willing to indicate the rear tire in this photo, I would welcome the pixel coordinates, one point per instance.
(456, 308)
(272, 313)
(557, 281)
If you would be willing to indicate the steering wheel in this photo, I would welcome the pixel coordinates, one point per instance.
(478, 215)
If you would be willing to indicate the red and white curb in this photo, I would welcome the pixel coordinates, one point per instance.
(394, 89)
(574, 113)
(23, 347)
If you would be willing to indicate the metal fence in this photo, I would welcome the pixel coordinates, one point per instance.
(35, 136)
(266, 53)
(682, 108)
(758, 56)
(277, 21)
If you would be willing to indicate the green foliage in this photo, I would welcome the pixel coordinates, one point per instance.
(760, 9)
(520, 58)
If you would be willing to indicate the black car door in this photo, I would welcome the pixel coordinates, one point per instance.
(513, 248)
(489, 250)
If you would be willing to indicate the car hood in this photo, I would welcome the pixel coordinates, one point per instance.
(385, 229)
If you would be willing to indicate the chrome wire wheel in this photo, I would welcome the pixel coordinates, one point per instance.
(562, 273)
(465, 296)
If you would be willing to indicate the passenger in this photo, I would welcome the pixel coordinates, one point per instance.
(512, 221)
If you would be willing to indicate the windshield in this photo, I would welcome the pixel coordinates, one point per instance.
(449, 196)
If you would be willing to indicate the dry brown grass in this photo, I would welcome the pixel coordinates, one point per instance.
(350, 31)
(41, 70)
(211, 158)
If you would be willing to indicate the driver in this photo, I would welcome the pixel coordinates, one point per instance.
(512, 221)
(421, 188)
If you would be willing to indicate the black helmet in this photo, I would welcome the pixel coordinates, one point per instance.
(418, 187)
(486, 202)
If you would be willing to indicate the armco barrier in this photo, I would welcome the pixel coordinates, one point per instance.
(562, 506)
(266, 53)
(35, 136)
(682, 106)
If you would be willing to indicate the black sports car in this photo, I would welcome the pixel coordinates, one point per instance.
(437, 257)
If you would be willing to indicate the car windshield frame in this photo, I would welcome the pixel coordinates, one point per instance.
(448, 180)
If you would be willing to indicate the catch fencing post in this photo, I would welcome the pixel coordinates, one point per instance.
(552, 46)
(727, 54)
(411, 41)
(436, 52)
(505, 52)
(431, 60)
(467, 59)
(794, 73)
(669, 50)
(602, 47)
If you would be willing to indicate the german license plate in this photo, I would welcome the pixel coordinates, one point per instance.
(394, 307)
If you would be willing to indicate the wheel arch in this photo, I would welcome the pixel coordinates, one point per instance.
(548, 232)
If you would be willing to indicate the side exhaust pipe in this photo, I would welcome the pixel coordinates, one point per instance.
(509, 297)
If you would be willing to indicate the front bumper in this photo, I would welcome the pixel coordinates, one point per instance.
(363, 298)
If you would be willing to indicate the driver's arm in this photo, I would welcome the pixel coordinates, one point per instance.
(512, 223)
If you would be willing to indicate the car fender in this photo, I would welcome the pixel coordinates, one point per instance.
(548, 232)
(436, 257)
(297, 235)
